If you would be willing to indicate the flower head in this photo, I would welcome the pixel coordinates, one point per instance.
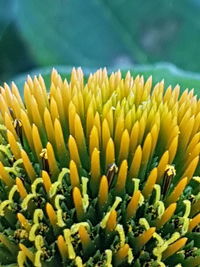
(99, 172)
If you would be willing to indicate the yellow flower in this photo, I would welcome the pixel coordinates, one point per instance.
(99, 172)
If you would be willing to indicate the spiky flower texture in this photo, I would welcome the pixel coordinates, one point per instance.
(99, 172)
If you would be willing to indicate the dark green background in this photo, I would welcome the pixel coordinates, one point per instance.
(97, 33)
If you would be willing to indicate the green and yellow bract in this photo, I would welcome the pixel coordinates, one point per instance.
(99, 172)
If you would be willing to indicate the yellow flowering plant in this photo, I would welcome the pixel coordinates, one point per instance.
(99, 171)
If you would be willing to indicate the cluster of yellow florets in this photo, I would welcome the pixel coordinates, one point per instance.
(99, 173)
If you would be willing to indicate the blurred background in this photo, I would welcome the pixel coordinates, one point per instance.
(98, 33)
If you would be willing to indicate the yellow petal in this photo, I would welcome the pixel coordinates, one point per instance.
(173, 248)
(121, 178)
(194, 222)
(74, 176)
(168, 213)
(78, 203)
(110, 152)
(103, 192)
(178, 190)
(14, 145)
(124, 146)
(133, 205)
(136, 162)
(112, 221)
(95, 171)
(149, 185)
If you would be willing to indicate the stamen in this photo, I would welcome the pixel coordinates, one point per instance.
(67, 235)
(38, 258)
(27, 200)
(120, 230)
(38, 216)
(60, 221)
(85, 198)
(112, 170)
(43, 155)
(34, 185)
(108, 257)
(79, 262)
(169, 174)
(18, 128)
(21, 258)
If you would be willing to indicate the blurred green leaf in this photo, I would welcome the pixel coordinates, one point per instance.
(111, 33)
(13, 54)
(168, 72)
(7, 11)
